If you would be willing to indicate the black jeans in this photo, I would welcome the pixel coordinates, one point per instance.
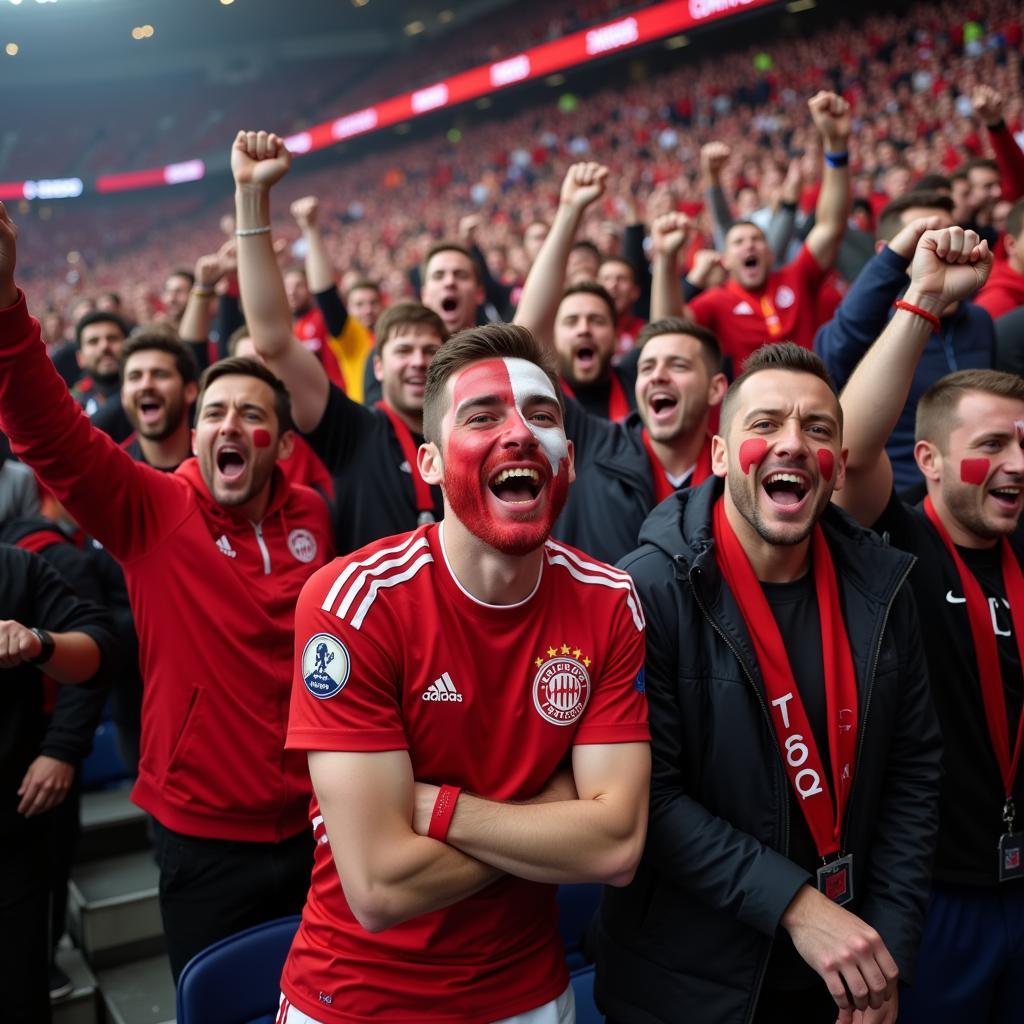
(212, 888)
(24, 923)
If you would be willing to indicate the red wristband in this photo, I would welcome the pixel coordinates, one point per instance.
(918, 311)
(444, 811)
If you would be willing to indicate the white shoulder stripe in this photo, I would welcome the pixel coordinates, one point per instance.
(601, 568)
(380, 569)
(353, 567)
(391, 581)
(632, 600)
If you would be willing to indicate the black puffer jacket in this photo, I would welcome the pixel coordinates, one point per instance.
(690, 938)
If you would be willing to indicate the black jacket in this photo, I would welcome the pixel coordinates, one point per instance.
(690, 938)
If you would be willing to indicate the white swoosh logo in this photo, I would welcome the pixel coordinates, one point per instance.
(955, 600)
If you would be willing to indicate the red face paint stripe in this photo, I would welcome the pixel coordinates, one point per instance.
(752, 451)
(826, 463)
(261, 437)
(974, 471)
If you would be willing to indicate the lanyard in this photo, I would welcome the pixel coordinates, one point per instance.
(986, 651)
(793, 731)
(424, 499)
(662, 485)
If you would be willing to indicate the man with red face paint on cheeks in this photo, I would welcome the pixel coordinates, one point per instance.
(470, 696)
(214, 555)
(795, 753)
(970, 593)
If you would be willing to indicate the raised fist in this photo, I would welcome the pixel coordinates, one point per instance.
(259, 159)
(904, 243)
(670, 232)
(468, 226)
(584, 184)
(305, 211)
(949, 265)
(8, 258)
(713, 157)
(831, 116)
(212, 267)
(705, 263)
(988, 104)
(18, 643)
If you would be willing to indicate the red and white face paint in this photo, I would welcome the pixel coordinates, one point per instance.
(506, 458)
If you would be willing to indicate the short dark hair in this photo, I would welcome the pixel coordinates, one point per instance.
(407, 314)
(363, 282)
(492, 341)
(185, 273)
(933, 183)
(1015, 219)
(744, 224)
(618, 259)
(937, 407)
(161, 338)
(243, 367)
(591, 288)
(240, 333)
(446, 245)
(98, 316)
(589, 246)
(979, 163)
(890, 220)
(784, 355)
(709, 346)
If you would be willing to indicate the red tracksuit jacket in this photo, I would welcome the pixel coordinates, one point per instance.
(213, 596)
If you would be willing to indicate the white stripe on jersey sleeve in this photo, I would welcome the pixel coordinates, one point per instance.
(352, 567)
(632, 601)
(378, 570)
(391, 581)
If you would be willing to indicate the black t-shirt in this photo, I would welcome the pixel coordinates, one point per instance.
(972, 797)
(795, 607)
(374, 495)
(596, 397)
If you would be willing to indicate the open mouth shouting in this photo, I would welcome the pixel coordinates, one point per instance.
(787, 490)
(662, 405)
(518, 486)
(1007, 498)
(150, 409)
(231, 463)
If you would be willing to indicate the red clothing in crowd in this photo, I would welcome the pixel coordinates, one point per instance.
(1003, 291)
(392, 654)
(213, 597)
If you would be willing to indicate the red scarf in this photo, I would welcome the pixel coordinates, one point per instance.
(424, 499)
(797, 745)
(986, 651)
(618, 404)
(662, 485)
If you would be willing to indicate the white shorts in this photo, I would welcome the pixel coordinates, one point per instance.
(559, 1011)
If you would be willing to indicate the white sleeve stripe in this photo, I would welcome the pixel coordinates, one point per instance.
(391, 581)
(632, 601)
(598, 567)
(346, 573)
(378, 570)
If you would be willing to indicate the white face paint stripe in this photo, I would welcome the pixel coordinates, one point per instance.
(528, 381)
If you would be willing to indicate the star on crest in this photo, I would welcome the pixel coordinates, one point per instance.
(565, 648)
(552, 651)
(586, 662)
(576, 653)
(538, 662)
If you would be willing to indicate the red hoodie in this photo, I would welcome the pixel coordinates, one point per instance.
(213, 597)
(1003, 291)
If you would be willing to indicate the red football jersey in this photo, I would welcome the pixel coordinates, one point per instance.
(784, 310)
(392, 654)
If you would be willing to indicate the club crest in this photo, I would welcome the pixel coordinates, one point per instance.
(561, 687)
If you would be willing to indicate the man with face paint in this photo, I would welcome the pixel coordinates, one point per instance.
(795, 754)
(471, 701)
(968, 587)
(369, 452)
(214, 556)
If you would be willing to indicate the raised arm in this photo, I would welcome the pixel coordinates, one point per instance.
(538, 305)
(831, 115)
(669, 233)
(209, 270)
(713, 158)
(949, 265)
(988, 105)
(258, 161)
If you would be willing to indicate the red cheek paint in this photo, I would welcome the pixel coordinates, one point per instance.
(261, 437)
(752, 451)
(974, 471)
(826, 463)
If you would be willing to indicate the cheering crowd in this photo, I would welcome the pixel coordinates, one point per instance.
(337, 542)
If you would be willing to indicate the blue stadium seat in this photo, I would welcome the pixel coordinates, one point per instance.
(577, 905)
(583, 989)
(103, 767)
(237, 980)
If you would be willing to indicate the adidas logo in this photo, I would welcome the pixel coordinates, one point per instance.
(742, 309)
(442, 689)
(225, 548)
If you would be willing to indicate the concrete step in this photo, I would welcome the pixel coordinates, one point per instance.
(81, 1006)
(113, 910)
(111, 825)
(141, 992)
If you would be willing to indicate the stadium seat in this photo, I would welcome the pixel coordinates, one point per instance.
(103, 767)
(577, 905)
(583, 989)
(237, 980)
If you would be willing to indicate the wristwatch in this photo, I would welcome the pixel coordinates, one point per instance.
(48, 645)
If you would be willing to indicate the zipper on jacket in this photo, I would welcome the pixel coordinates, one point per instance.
(779, 771)
(871, 692)
(258, 528)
